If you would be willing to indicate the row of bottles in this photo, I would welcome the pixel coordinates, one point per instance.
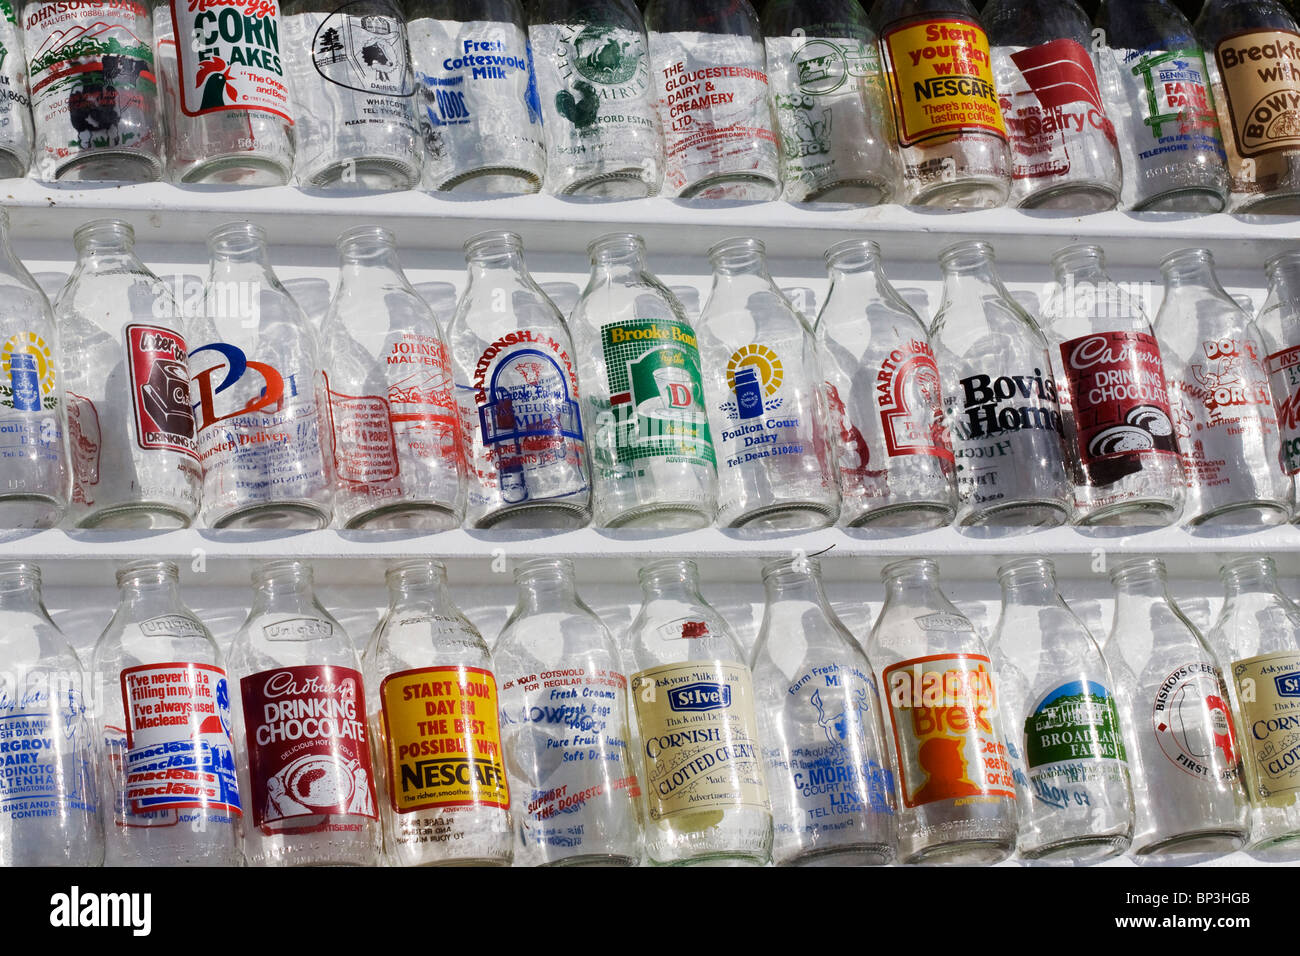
(123, 407)
(915, 104)
(291, 748)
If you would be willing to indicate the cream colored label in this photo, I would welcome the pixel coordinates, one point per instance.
(699, 738)
(1268, 691)
(1261, 83)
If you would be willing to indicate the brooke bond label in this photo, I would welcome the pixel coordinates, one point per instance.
(941, 78)
(1260, 70)
(944, 714)
(229, 56)
(160, 389)
(1268, 690)
(1284, 378)
(308, 754)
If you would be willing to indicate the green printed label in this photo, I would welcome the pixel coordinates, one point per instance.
(1076, 721)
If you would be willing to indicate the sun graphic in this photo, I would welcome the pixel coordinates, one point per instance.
(31, 344)
(762, 358)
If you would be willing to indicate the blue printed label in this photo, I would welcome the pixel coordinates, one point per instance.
(698, 697)
(44, 755)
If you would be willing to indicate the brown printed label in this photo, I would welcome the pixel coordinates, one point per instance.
(1261, 84)
(1268, 690)
(941, 78)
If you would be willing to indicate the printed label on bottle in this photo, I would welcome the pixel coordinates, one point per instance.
(46, 746)
(1052, 105)
(365, 451)
(943, 710)
(699, 739)
(1268, 690)
(1261, 84)
(229, 56)
(85, 442)
(443, 737)
(179, 753)
(160, 389)
(27, 373)
(1170, 113)
(758, 411)
(859, 478)
(713, 104)
(941, 77)
(911, 403)
(1284, 378)
(656, 392)
(14, 101)
(308, 755)
(362, 46)
(1072, 739)
(1192, 722)
(1116, 387)
(92, 76)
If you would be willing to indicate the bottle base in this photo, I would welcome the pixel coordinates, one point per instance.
(29, 511)
(626, 183)
(1242, 514)
(1081, 850)
(919, 516)
(111, 165)
(1021, 514)
(369, 172)
(964, 853)
(542, 516)
(274, 516)
(13, 166)
(1196, 199)
(787, 516)
(138, 516)
(1196, 844)
(236, 169)
(662, 517)
(1073, 197)
(745, 187)
(593, 859)
(715, 859)
(1148, 513)
(406, 516)
(968, 194)
(493, 180)
(1278, 849)
(1284, 204)
(859, 192)
(861, 854)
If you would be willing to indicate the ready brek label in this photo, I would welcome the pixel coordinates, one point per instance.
(946, 734)
(229, 56)
(941, 77)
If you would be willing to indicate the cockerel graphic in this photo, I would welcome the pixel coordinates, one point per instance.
(214, 74)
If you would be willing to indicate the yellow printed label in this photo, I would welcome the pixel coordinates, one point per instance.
(699, 738)
(1268, 692)
(1261, 85)
(443, 739)
(941, 79)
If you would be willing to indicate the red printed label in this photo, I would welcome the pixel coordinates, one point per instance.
(1116, 385)
(84, 441)
(228, 52)
(365, 450)
(308, 755)
(1284, 377)
(911, 406)
(160, 389)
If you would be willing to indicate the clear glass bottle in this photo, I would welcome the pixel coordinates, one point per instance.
(1174, 709)
(443, 792)
(883, 396)
(134, 457)
(476, 96)
(1157, 93)
(1279, 328)
(1000, 397)
(95, 93)
(1119, 428)
(956, 796)
(1252, 49)
(1064, 154)
(603, 135)
(353, 90)
(517, 385)
(164, 714)
(706, 796)
(952, 134)
(393, 422)
(1062, 723)
(1257, 636)
(820, 728)
(228, 117)
(832, 107)
(49, 798)
(16, 110)
(300, 719)
(34, 473)
(709, 69)
(763, 388)
(564, 724)
(1218, 388)
(653, 463)
(257, 391)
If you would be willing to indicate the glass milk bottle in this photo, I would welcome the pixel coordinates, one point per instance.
(955, 790)
(163, 712)
(16, 133)
(434, 712)
(134, 456)
(820, 728)
(564, 725)
(643, 400)
(1279, 329)
(763, 388)
(693, 700)
(1176, 713)
(884, 398)
(393, 424)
